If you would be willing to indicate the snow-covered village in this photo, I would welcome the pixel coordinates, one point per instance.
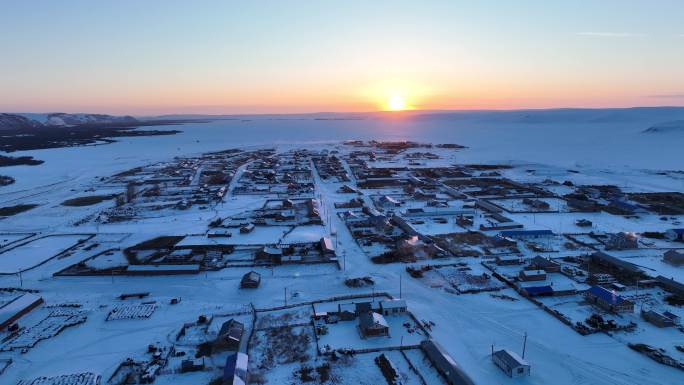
(358, 261)
(341, 193)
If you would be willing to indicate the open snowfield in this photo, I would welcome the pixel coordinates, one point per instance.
(599, 148)
(28, 255)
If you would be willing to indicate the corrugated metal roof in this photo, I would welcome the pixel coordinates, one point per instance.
(606, 295)
(517, 233)
(538, 290)
(511, 359)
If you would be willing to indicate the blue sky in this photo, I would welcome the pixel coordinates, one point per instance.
(282, 56)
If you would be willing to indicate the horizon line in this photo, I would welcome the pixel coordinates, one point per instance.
(390, 112)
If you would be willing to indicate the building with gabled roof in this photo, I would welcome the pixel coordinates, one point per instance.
(444, 363)
(230, 335)
(373, 324)
(393, 306)
(608, 300)
(527, 234)
(251, 280)
(511, 363)
(541, 263)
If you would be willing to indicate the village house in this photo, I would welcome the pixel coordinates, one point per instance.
(388, 202)
(538, 291)
(669, 284)
(527, 234)
(511, 363)
(422, 195)
(608, 300)
(674, 257)
(393, 306)
(660, 319)
(536, 204)
(507, 260)
(532, 275)
(614, 266)
(541, 263)
(622, 241)
(375, 218)
(270, 254)
(327, 248)
(373, 324)
(229, 336)
(250, 280)
(550, 290)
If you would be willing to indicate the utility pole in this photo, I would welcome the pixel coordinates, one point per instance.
(285, 288)
(344, 260)
(524, 345)
(400, 286)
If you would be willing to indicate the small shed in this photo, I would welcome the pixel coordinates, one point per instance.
(346, 311)
(511, 363)
(327, 248)
(393, 306)
(248, 228)
(250, 280)
(190, 365)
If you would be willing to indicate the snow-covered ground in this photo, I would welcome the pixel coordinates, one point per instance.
(599, 152)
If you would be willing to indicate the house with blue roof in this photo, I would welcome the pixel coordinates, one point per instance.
(538, 291)
(608, 300)
(526, 234)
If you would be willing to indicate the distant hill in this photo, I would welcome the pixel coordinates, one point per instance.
(671, 126)
(17, 122)
(60, 119)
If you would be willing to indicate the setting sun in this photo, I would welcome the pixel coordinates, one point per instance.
(396, 103)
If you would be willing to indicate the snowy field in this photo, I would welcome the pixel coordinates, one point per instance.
(28, 255)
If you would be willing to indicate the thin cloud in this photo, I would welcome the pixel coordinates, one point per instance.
(669, 96)
(610, 34)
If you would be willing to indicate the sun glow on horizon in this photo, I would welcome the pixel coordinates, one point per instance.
(396, 102)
